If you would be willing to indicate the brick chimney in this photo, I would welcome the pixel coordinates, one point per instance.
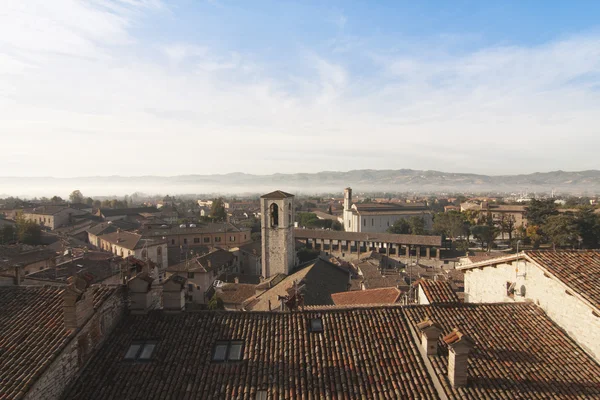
(140, 295)
(173, 294)
(430, 333)
(18, 275)
(459, 346)
(78, 303)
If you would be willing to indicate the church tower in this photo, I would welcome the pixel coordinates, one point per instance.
(277, 230)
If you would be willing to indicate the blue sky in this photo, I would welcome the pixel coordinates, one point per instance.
(151, 87)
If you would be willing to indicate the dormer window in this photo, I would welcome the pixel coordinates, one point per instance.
(231, 350)
(316, 325)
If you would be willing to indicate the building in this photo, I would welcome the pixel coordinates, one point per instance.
(114, 214)
(17, 259)
(516, 213)
(210, 234)
(51, 217)
(565, 285)
(125, 244)
(277, 229)
(438, 291)
(48, 333)
(438, 351)
(249, 256)
(378, 217)
(201, 273)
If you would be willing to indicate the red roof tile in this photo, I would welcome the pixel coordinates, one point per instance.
(438, 291)
(371, 296)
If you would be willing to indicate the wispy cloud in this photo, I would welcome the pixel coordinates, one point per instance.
(67, 67)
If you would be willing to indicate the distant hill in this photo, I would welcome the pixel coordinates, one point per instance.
(327, 181)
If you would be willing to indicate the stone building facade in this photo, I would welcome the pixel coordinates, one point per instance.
(277, 228)
(557, 286)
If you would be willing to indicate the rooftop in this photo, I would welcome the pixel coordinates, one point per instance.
(369, 296)
(368, 237)
(32, 333)
(278, 194)
(114, 212)
(438, 291)
(361, 352)
(204, 263)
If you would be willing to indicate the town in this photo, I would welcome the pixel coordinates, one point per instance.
(285, 296)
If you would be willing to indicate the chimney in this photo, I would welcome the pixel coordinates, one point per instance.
(459, 346)
(78, 303)
(140, 295)
(173, 294)
(18, 276)
(236, 280)
(430, 333)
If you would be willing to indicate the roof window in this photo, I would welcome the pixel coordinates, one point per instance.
(140, 351)
(316, 324)
(231, 350)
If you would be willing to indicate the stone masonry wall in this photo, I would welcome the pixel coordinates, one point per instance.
(488, 285)
(67, 366)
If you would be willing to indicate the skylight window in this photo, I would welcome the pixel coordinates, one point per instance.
(140, 351)
(228, 351)
(316, 325)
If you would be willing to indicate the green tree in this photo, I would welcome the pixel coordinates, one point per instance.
(28, 232)
(255, 236)
(506, 224)
(216, 303)
(56, 200)
(8, 234)
(485, 233)
(588, 225)
(417, 225)
(89, 201)
(217, 211)
(97, 204)
(561, 230)
(305, 255)
(538, 211)
(400, 227)
(76, 197)
(534, 233)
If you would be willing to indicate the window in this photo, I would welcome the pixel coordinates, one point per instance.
(365, 222)
(159, 251)
(232, 238)
(196, 240)
(184, 240)
(274, 214)
(217, 239)
(141, 351)
(228, 351)
(316, 325)
(206, 240)
(190, 275)
(372, 221)
(244, 237)
(172, 241)
(190, 286)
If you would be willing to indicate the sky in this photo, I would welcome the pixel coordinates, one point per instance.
(156, 87)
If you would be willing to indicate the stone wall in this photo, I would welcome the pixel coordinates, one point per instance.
(489, 285)
(71, 361)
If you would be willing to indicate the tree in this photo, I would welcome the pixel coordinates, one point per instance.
(452, 224)
(506, 224)
(417, 225)
(534, 233)
(28, 232)
(485, 233)
(8, 234)
(56, 200)
(89, 201)
(97, 204)
(588, 226)
(561, 230)
(76, 197)
(255, 236)
(216, 303)
(400, 227)
(538, 211)
(217, 211)
(305, 255)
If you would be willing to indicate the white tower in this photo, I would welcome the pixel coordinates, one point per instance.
(277, 229)
(347, 213)
(347, 198)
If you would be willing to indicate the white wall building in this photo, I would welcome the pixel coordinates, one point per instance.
(565, 284)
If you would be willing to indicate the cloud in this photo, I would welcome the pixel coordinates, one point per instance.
(87, 95)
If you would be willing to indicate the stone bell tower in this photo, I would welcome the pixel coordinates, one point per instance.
(277, 230)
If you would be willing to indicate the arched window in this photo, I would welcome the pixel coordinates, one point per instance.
(274, 213)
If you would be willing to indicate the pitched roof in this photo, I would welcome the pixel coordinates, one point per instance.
(519, 353)
(128, 240)
(11, 256)
(32, 333)
(368, 237)
(320, 278)
(373, 278)
(111, 226)
(113, 212)
(236, 293)
(363, 352)
(578, 270)
(278, 194)
(204, 263)
(94, 269)
(437, 291)
(45, 210)
(279, 355)
(369, 296)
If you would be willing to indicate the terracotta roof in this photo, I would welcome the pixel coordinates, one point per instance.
(110, 212)
(519, 353)
(45, 210)
(236, 293)
(363, 352)
(211, 227)
(11, 256)
(370, 296)
(373, 278)
(280, 354)
(94, 269)
(111, 226)
(32, 333)
(321, 279)
(438, 291)
(579, 270)
(204, 263)
(371, 237)
(278, 194)
(391, 207)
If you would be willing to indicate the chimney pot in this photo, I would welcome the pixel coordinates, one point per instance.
(459, 347)
(430, 333)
